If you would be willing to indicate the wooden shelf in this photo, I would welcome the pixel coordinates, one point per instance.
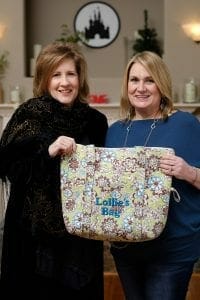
(105, 105)
(8, 105)
(186, 105)
(112, 109)
(115, 105)
(176, 104)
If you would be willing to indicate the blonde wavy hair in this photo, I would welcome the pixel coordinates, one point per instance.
(158, 70)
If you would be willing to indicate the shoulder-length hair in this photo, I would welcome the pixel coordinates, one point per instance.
(49, 59)
(158, 70)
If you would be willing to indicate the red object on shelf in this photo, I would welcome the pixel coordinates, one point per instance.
(102, 98)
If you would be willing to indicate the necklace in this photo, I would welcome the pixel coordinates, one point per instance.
(152, 127)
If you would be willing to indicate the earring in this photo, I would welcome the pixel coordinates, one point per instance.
(130, 113)
(162, 104)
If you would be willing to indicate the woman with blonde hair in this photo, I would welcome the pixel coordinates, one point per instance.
(160, 268)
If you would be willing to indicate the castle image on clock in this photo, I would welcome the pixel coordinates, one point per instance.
(97, 27)
(98, 22)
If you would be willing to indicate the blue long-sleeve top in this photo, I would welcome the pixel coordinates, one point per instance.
(181, 131)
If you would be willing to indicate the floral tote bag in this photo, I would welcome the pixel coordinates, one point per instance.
(115, 194)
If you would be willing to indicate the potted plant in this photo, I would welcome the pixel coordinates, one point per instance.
(3, 66)
(146, 39)
(66, 35)
(3, 63)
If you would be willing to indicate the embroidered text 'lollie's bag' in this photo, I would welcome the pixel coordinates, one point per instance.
(115, 194)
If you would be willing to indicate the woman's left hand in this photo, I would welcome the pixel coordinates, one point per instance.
(176, 166)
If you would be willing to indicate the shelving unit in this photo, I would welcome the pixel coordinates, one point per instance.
(179, 105)
(111, 110)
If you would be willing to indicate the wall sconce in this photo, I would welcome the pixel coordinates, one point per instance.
(2, 30)
(192, 30)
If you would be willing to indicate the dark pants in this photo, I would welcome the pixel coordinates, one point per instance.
(144, 277)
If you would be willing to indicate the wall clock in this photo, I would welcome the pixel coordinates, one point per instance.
(99, 22)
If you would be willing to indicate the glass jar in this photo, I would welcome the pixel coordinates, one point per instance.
(190, 91)
(15, 96)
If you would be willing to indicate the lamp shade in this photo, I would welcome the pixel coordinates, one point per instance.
(192, 30)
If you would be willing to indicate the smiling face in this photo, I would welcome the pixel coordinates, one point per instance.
(143, 93)
(64, 82)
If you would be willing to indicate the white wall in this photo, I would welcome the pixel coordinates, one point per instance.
(181, 54)
(12, 15)
(107, 65)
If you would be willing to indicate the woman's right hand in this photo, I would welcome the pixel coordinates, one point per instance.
(62, 145)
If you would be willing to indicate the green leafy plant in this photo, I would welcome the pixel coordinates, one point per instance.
(147, 39)
(66, 35)
(4, 63)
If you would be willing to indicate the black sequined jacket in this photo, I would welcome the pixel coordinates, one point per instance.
(35, 239)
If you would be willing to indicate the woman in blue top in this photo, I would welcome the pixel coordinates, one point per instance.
(161, 268)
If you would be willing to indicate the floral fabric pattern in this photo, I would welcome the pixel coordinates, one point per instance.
(115, 194)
